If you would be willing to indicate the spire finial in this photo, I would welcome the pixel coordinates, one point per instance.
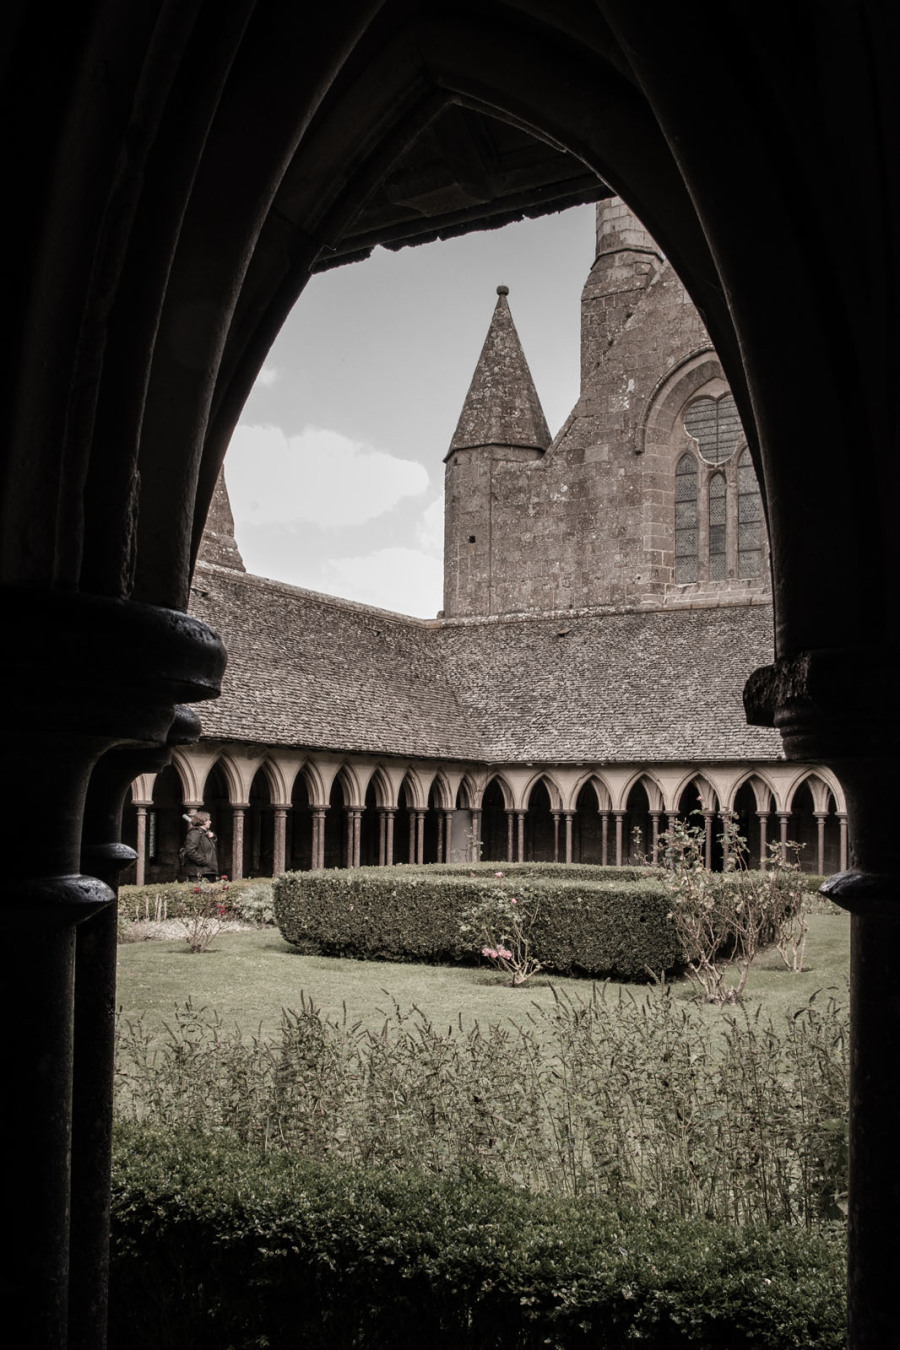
(503, 290)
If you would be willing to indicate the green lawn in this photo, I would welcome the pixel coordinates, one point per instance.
(249, 977)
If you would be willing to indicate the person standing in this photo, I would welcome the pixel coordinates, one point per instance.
(200, 859)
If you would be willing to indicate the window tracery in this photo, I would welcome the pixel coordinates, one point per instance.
(719, 531)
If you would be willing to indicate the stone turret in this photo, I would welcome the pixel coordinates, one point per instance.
(502, 407)
(218, 544)
(502, 422)
(627, 261)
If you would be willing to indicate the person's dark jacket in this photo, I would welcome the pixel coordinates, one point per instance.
(200, 852)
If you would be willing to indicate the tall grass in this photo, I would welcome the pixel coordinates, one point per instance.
(630, 1096)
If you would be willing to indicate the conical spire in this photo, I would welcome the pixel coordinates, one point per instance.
(502, 406)
(218, 544)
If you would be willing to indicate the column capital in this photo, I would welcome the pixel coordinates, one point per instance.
(830, 703)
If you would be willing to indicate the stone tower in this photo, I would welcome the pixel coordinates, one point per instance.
(646, 499)
(502, 423)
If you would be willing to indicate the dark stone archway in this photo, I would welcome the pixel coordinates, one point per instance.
(181, 171)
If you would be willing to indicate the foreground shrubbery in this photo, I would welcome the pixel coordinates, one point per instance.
(217, 1245)
(579, 925)
(249, 900)
(637, 1099)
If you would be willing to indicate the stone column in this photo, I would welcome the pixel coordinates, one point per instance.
(448, 834)
(763, 818)
(356, 814)
(318, 839)
(604, 838)
(838, 707)
(279, 838)
(555, 815)
(475, 846)
(842, 821)
(237, 840)
(707, 838)
(821, 817)
(411, 858)
(420, 837)
(654, 837)
(381, 834)
(784, 820)
(440, 836)
(520, 836)
(568, 816)
(620, 819)
(509, 835)
(389, 838)
(94, 1034)
(141, 861)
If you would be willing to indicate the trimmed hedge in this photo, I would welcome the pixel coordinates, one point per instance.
(581, 926)
(215, 1245)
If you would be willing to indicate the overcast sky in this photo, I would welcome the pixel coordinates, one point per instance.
(336, 471)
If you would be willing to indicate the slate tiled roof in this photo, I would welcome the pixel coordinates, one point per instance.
(660, 685)
(308, 670)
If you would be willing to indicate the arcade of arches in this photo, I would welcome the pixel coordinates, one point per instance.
(283, 812)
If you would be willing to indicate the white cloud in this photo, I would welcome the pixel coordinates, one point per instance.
(430, 529)
(318, 477)
(268, 376)
(413, 580)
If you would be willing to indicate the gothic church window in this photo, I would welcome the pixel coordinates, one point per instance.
(750, 520)
(718, 569)
(719, 530)
(686, 536)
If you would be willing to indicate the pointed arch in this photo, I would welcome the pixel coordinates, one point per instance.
(412, 789)
(354, 794)
(819, 789)
(706, 793)
(187, 778)
(687, 521)
(598, 784)
(502, 782)
(554, 792)
(651, 785)
(751, 533)
(438, 785)
(380, 785)
(311, 776)
(717, 509)
(226, 766)
(760, 785)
